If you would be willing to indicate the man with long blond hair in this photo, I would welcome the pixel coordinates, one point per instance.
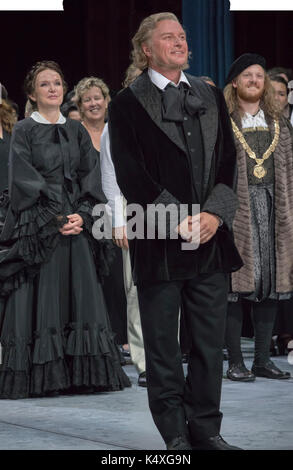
(172, 147)
(263, 225)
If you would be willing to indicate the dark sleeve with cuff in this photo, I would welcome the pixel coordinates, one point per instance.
(222, 200)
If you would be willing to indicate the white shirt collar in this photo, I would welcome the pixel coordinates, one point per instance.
(39, 118)
(258, 120)
(161, 81)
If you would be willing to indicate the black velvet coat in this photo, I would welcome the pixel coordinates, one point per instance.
(152, 166)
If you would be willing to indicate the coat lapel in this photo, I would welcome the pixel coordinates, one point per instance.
(208, 123)
(150, 98)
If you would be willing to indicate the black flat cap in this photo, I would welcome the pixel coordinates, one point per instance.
(244, 61)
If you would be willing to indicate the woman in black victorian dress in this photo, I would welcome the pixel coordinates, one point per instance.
(55, 332)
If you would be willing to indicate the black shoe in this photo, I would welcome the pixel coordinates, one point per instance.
(238, 372)
(214, 443)
(179, 443)
(270, 371)
(142, 381)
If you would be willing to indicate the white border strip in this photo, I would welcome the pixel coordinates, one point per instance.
(31, 5)
(261, 5)
(57, 5)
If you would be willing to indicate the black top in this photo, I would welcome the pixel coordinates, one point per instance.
(44, 156)
(42, 159)
(4, 154)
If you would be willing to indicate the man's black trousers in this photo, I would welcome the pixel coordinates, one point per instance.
(185, 407)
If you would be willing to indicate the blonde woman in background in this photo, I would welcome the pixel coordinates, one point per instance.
(92, 97)
(118, 207)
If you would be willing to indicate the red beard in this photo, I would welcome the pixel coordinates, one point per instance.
(248, 96)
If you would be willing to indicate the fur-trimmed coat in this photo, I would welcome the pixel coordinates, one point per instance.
(243, 280)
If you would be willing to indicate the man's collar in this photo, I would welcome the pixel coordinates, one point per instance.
(161, 81)
(258, 120)
(36, 116)
(259, 114)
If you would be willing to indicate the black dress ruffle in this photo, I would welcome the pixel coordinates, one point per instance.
(54, 328)
(82, 359)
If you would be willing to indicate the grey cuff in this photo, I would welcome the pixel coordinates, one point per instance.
(223, 203)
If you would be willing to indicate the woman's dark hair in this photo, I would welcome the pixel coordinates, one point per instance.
(15, 107)
(67, 107)
(278, 70)
(30, 79)
(279, 79)
(69, 95)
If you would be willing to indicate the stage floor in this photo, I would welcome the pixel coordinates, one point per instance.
(257, 415)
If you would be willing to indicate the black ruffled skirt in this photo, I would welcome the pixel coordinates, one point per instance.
(55, 333)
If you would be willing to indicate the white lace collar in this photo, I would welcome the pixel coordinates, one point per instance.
(36, 116)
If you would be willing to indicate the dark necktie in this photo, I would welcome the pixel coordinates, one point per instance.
(177, 100)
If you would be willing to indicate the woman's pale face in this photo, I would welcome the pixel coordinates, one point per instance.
(93, 104)
(280, 92)
(48, 92)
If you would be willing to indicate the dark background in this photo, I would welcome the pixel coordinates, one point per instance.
(93, 37)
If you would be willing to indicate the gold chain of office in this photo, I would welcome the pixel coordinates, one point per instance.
(259, 170)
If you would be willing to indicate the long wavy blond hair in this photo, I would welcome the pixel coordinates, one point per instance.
(138, 57)
(131, 74)
(7, 116)
(267, 101)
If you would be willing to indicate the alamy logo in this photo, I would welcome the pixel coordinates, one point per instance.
(156, 221)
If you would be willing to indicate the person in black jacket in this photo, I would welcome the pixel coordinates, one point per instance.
(172, 144)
